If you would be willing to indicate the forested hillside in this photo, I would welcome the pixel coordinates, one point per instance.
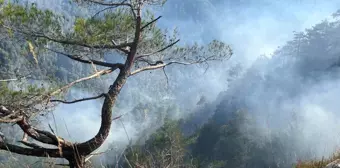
(92, 83)
(265, 119)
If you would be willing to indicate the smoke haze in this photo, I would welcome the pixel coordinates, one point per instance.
(270, 87)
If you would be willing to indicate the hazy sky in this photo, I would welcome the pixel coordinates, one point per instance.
(252, 27)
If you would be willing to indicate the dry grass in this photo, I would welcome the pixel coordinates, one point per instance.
(318, 163)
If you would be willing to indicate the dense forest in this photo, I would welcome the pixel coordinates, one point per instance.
(94, 83)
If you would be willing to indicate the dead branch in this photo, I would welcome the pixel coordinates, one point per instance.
(110, 7)
(63, 165)
(14, 79)
(14, 120)
(157, 66)
(9, 116)
(166, 76)
(32, 132)
(161, 64)
(116, 118)
(158, 51)
(126, 50)
(110, 3)
(42, 136)
(91, 61)
(29, 144)
(79, 100)
(7, 80)
(70, 42)
(38, 152)
(5, 111)
(99, 73)
(153, 21)
(115, 4)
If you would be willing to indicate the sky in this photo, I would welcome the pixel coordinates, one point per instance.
(251, 27)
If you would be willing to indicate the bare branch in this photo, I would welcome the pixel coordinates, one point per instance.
(160, 64)
(91, 61)
(38, 152)
(63, 165)
(14, 79)
(29, 144)
(150, 23)
(158, 51)
(14, 120)
(9, 116)
(79, 100)
(69, 42)
(148, 68)
(166, 76)
(4, 110)
(126, 51)
(32, 132)
(116, 118)
(97, 74)
(7, 80)
(115, 4)
(107, 8)
(110, 3)
(42, 136)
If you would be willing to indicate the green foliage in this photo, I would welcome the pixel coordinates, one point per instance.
(166, 147)
(24, 99)
(117, 25)
(29, 18)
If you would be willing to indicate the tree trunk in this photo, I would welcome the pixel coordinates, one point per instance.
(77, 162)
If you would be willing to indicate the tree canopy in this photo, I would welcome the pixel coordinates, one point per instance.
(125, 30)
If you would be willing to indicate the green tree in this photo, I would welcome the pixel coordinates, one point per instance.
(124, 29)
(165, 148)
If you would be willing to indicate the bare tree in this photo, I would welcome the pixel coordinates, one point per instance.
(121, 28)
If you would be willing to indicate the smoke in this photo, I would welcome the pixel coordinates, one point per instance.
(277, 86)
(252, 28)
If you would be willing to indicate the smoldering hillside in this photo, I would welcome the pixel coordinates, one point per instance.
(301, 77)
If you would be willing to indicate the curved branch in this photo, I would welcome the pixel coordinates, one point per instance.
(166, 77)
(38, 152)
(107, 8)
(160, 64)
(115, 4)
(110, 3)
(78, 58)
(158, 51)
(7, 80)
(146, 25)
(39, 135)
(14, 79)
(14, 120)
(79, 100)
(9, 116)
(149, 68)
(99, 73)
(32, 145)
(69, 42)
